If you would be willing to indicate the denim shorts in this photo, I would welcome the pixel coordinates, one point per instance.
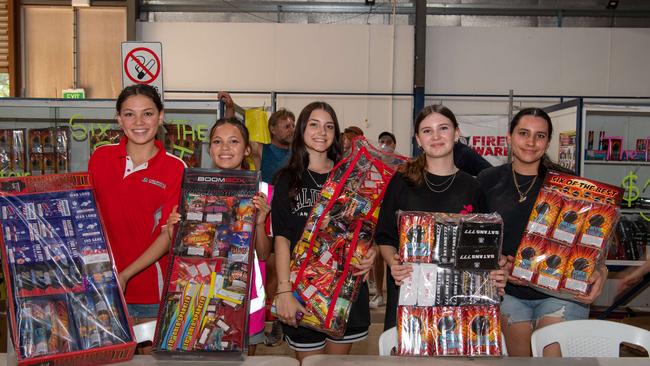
(521, 310)
(139, 311)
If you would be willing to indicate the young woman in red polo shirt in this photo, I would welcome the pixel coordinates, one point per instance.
(137, 184)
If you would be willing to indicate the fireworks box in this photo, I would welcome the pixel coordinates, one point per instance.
(205, 305)
(448, 306)
(567, 233)
(338, 232)
(66, 306)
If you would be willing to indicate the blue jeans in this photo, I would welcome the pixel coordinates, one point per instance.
(521, 310)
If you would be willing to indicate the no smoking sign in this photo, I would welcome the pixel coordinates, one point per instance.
(142, 64)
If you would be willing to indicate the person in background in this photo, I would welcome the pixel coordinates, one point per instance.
(315, 150)
(511, 190)
(430, 182)
(348, 135)
(387, 142)
(632, 276)
(137, 183)
(268, 159)
(229, 145)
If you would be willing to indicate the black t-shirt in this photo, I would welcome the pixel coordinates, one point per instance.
(289, 216)
(464, 195)
(502, 197)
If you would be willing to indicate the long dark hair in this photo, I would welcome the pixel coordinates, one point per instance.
(242, 129)
(545, 164)
(413, 170)
(299, 160)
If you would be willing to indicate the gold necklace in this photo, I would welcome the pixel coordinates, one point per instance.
(522, 196)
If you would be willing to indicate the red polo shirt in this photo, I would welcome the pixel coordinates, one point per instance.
(134, 203)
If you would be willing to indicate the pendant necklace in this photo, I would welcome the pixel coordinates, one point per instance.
(314, 180)
(522, 196)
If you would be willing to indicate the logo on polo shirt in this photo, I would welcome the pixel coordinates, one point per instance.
(156, 183)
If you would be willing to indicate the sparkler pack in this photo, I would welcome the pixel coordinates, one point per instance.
(449, 306)
(206, 298)
(66, 305)
(567, 234)
(338, 234)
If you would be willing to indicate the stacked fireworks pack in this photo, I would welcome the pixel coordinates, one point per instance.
(337, 234)
(49, 150)
(66, 305)
(206, 298)
(13, 155)
(448, 306)
(567, 234)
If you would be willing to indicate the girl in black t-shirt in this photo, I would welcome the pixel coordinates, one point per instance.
(511, 190)
(314, 152)
(431, 182)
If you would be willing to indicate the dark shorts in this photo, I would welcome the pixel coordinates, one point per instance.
(303, 339)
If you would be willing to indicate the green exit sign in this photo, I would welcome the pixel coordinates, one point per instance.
(74, 94)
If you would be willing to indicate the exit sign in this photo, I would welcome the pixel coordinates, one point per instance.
(74, 94)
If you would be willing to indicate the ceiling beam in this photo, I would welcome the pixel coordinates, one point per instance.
(249, 6)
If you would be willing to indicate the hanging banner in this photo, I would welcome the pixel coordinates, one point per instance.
(487, 136)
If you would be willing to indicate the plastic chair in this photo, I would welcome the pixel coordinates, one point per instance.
(388, 341)
(588, 338)
(144, 332)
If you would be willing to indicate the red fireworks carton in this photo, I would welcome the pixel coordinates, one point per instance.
(598, 225)
(448, 330)
(551, 269)
(570, 220)
(415, 331)
(483, 330)
(545, 212)
(581, 264)
(416, 237)
(530, 253)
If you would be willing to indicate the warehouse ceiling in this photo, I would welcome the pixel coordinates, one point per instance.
(466, 13)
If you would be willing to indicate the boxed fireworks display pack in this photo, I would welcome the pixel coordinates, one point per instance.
(338, 233)
(448, 306)
(65, 302)
(567, 233)
(206, 296)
